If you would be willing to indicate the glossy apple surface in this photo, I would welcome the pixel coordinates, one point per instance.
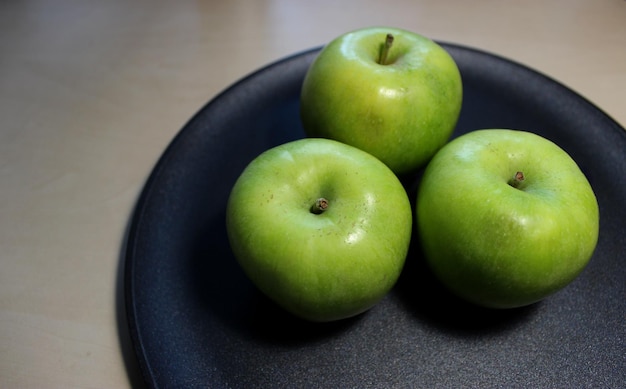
(505, 217)
(401, 111)
(321, 265)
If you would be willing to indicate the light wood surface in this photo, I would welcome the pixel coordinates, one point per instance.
(91, 93)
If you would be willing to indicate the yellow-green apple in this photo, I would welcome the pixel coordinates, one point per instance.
(505, 217)
(320, 227)
(391, 92)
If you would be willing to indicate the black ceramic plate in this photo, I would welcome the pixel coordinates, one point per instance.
(196, 321)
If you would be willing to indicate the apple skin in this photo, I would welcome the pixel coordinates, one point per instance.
(328, 266)
(496, 245)
(401, 112)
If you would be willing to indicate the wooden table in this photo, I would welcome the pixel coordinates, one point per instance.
(91, 93)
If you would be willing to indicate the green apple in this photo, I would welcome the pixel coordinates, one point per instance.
(505, 217)
(390, 92)
(320, 227)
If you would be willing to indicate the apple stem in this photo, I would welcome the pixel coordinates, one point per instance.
(385, 49)
(517, 180)
(319, 206)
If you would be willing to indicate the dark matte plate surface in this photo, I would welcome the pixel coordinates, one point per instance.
(196, 321)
